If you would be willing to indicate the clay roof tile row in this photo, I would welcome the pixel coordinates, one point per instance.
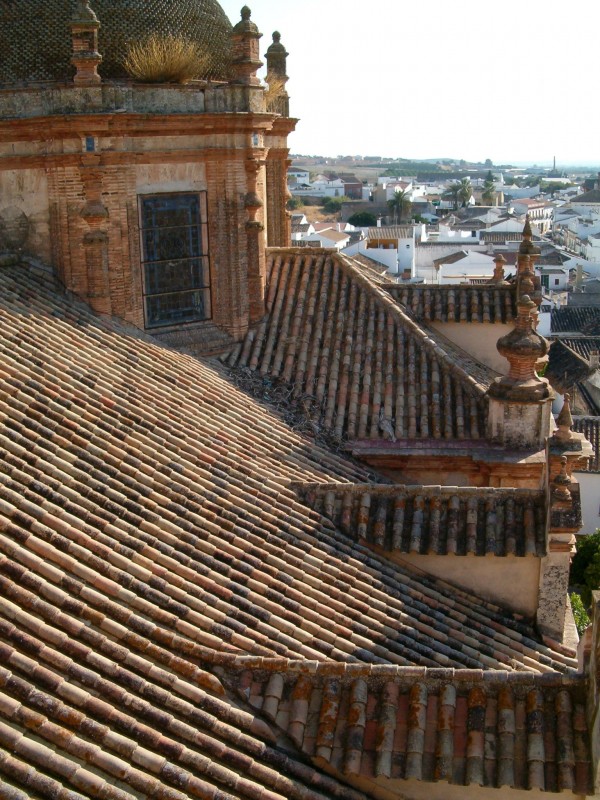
(337, 338)
(436, 520)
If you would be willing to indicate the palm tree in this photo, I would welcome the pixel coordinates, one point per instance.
(488, 194)
(399, 203)
(465, 191)
(453, 193)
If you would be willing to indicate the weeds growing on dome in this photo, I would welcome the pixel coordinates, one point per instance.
(166, 58)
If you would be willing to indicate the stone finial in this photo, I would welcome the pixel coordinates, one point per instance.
(564, 421)
(522, 348)
(246, 54)
(560, 489)
(84, 42)
(526, 276)
(526, 261)
(277, 97)
(83, 13)
(499, 261)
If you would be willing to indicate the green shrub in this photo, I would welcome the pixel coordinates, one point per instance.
(363, 219)
(585, 567)
(579, 613)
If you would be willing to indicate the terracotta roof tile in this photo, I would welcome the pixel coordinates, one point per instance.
(590, 427)
(467, 727)
(435, 519)
(573, 319)
(337, 338)
(480, 303)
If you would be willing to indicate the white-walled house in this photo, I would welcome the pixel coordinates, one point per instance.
(540, 212)
(393, 246)
(328, 238)
(464, 266)
(554, 278)
(320, 188)
(589, 479)
(297, 176)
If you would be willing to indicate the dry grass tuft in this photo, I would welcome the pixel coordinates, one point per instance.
(274, 93)
(165, 58)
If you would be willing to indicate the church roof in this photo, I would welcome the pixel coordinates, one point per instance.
(154, 553)
(335, 336)
(35, 40)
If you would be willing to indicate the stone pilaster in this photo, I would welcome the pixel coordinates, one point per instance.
(227, 216)
(84, 38)
(278, 218)
(256, 240)
(565, 450)
(95, 241)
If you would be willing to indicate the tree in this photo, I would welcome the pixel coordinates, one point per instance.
(465, 192)
(453, 193)
(333, 204)
(489, 191)
(585, 567)
(363, 219)
(294, 203)
(399, 204)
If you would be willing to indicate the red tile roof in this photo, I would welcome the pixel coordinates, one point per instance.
(335, 336)
(149, 540)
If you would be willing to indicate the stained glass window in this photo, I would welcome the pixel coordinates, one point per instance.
(176, 274)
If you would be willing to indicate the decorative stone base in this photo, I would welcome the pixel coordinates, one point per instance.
(519, 425)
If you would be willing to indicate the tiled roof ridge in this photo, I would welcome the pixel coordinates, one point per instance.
(499, 732)
(426, 489)
(426, 337)
(225, 662)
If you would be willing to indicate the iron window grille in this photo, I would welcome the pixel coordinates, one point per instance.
(175, 263)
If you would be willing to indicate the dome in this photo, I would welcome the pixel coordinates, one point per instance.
(35, 39)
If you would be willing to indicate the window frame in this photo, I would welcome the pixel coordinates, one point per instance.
(201, 224)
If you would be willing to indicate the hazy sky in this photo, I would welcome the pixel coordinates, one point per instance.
(510, 81)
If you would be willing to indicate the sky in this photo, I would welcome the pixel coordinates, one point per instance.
(515, 81)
